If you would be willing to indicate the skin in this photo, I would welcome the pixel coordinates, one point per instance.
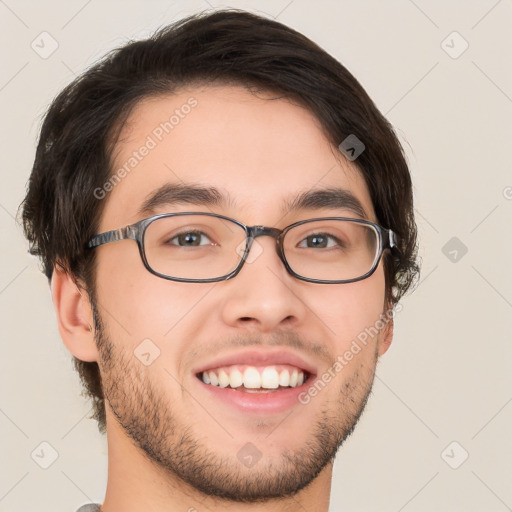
(170, 446)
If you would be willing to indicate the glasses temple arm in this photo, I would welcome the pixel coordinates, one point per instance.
(112, 236)
(390, 239)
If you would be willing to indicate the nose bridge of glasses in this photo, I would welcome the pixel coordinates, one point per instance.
(256, 231)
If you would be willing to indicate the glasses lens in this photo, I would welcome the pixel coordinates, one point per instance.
(331, 249)
(194, 246)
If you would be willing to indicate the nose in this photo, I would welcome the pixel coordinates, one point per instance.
(263, 295)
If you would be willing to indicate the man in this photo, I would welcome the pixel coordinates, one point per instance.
(227, 362)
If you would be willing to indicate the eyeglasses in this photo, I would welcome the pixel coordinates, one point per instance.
(207, 247)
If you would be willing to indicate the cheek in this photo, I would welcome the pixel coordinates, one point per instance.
(137, 305)
(119, 274)
(349, 310)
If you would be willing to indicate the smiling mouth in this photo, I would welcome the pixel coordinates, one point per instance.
(255, 379)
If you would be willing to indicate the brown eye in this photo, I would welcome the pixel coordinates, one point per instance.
(320, 241)
(189, 239)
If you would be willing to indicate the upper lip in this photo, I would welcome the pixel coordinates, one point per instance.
(255, 357)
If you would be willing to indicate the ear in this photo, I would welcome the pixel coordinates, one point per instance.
(74, 315)
(386, 336)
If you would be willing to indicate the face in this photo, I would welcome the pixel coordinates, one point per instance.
(156, 336)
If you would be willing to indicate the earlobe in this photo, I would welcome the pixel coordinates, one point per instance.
(74, 315)
(386, 337)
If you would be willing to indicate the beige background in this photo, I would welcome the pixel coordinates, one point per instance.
(446, 377)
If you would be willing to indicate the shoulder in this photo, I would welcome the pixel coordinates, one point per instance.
(90, 507)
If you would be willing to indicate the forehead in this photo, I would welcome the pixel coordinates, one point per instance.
(260, 150)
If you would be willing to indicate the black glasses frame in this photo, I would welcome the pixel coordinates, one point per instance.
(386, 240)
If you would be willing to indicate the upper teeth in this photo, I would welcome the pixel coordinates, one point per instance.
(251, 377)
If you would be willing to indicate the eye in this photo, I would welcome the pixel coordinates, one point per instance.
(320, 241)
(190, 239)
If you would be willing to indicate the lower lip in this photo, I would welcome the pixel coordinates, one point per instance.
(271, 402)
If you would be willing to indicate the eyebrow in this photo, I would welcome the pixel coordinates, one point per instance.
(335, 198)
(171, 194)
